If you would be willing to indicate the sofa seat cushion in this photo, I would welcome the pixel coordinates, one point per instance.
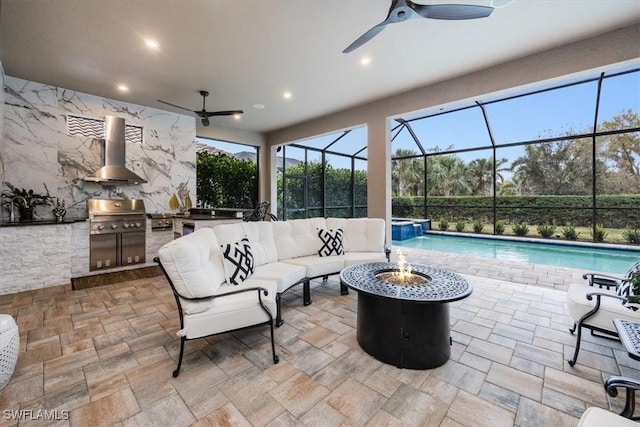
(610, 308)
(351, 258)
(284, 274)
(317, 266)
(232, 312)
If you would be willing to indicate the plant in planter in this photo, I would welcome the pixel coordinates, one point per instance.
(25, 200)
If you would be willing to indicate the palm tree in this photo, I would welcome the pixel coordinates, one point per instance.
(404, 174)
(482, 171)
(448, 175)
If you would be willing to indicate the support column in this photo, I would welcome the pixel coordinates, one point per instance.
(379, 172)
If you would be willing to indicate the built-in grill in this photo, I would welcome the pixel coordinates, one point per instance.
(118, 228)
(161, 221)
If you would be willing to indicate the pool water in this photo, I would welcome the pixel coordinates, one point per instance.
(587, 258)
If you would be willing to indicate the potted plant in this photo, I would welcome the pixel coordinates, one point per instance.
(25, 200)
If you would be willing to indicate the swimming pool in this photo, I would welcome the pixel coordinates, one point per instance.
(587, 257)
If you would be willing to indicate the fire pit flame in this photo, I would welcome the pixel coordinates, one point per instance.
(403, 275)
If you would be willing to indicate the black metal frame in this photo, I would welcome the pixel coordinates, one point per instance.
(183, 338)
(612, 384)
(306, 298)
(592, 136)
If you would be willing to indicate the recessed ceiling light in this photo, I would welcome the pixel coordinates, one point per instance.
(152, 44)
(123, 88)
(287, 95)
(237, 116)
(259, 106)
(365, 60)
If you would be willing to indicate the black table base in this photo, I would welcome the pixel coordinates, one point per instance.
(407, 334)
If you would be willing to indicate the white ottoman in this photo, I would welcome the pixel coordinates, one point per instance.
(9, 347)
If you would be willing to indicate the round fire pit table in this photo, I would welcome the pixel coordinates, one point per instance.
(406, 325)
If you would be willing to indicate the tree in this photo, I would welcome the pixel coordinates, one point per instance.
(622, 150)
(404, 173)
(482, 171)
(224, 181)
(559, 168)
(448, 176)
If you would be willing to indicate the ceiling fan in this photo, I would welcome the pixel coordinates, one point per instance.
(204, 114)
(402, 10)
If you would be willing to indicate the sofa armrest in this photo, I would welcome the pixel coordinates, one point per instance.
(602, 280)
(598, 295)
(630, 385)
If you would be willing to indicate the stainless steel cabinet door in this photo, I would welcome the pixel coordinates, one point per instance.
(103, 251)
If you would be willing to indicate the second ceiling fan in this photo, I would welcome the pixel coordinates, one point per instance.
(204, 114)
(402, 10)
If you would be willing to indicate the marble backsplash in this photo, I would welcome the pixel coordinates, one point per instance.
(38, 153)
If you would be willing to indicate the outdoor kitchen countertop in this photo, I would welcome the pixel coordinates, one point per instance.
(69, 220)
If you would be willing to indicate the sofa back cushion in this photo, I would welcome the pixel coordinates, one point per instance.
(297, 237)
(360, 234)
(194, 264)
(260, 235)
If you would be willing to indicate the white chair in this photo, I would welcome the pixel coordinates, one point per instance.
(207, 305)
(598, 417)
(594, 305)
(9, 348)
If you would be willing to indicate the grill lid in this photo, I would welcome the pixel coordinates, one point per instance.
(115, 207)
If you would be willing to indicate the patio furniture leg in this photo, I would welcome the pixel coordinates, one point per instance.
(344, 290)
(177, 371)
(276, 359)
(306, 292)
(578, 327)
(279, 320)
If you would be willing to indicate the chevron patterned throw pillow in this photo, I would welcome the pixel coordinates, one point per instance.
(238, 261)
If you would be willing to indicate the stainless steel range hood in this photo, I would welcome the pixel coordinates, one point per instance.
(114, 170)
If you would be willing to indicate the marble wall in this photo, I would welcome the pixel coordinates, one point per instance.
(36, 151)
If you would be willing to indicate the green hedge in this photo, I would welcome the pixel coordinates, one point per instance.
(617, 211)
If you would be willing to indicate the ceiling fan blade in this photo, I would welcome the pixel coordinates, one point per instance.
(176, 106)
(365, 37)
(221, 113)
(451, 11)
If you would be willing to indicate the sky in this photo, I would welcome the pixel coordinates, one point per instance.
(542, 115)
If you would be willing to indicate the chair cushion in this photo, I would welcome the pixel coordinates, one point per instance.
(297, 237)
(360, 234)
(598, 417)
(260, 235)
(232, 312)
(238, 261)
(194, 264)
(330, 242)
(284, 274)
(317, 266)
(610, 308)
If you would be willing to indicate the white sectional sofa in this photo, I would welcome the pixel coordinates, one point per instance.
(273, 257)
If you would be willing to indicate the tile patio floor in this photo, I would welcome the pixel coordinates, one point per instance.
(106, 355)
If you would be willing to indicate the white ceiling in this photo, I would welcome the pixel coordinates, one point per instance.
(250, 52)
